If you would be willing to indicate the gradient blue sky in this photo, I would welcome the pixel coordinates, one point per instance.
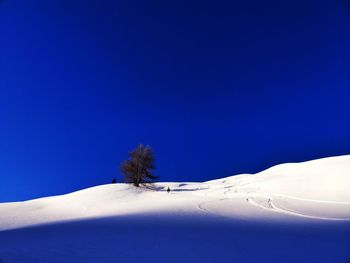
(215, 87)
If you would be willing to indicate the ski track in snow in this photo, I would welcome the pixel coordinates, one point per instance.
(268, 204)
(265, 201)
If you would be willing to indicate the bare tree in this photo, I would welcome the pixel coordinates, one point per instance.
(138, 168)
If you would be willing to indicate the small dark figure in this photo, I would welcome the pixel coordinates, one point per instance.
(168, 190)
(114, 181)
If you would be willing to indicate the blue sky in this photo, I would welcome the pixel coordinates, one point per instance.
(216, 88)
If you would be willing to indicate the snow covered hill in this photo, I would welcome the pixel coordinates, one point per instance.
(314, 193)
(317, 189)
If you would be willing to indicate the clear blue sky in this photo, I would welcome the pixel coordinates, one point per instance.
(215, 87)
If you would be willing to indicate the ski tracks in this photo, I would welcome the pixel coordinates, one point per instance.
(245, 189)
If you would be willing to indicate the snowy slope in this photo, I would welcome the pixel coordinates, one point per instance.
(289, 213)
(317, 189)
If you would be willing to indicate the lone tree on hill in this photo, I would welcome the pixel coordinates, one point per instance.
(138, 169)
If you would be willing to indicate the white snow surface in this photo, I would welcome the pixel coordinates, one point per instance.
(313, 190)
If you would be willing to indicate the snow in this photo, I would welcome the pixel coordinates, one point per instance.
(313, 194)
